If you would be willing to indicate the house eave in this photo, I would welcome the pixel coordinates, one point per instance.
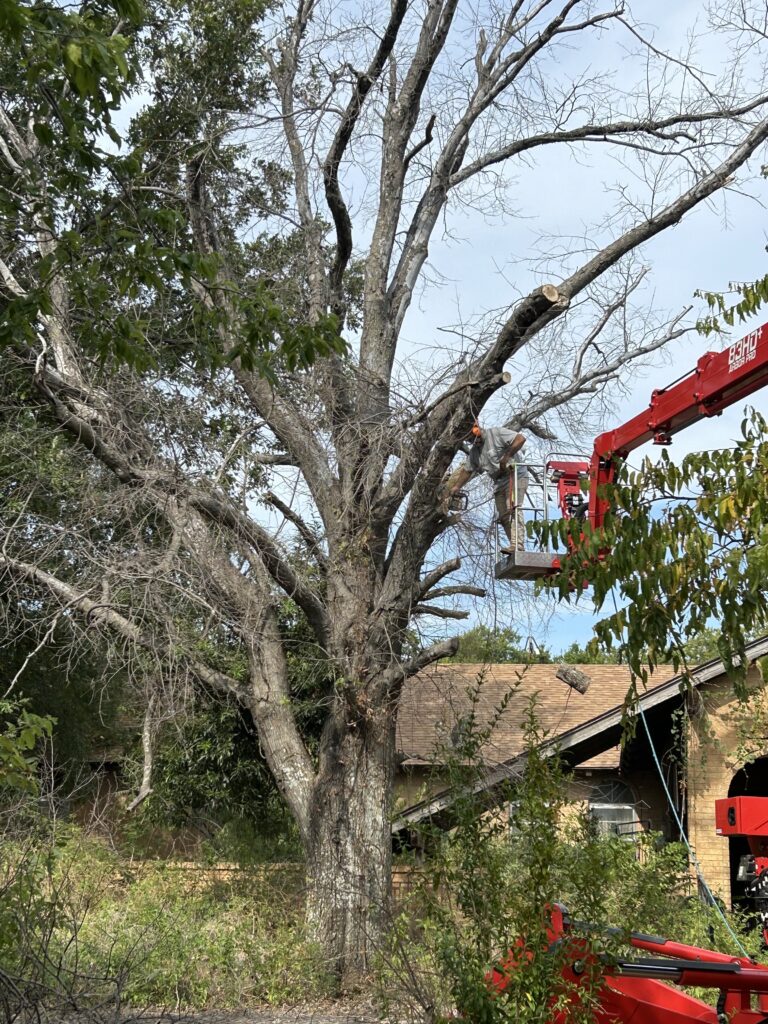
(578, 744)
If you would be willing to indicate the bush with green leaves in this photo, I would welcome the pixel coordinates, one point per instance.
(488, 884)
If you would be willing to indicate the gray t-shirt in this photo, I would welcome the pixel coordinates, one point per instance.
(486, 457)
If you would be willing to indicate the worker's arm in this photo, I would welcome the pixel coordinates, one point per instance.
(509, 454)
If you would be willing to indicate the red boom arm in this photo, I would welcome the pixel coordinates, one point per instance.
(638, 990)
(719, 380)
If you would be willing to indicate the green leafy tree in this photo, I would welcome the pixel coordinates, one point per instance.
(482, 645)
(590, 654)
(210, 319)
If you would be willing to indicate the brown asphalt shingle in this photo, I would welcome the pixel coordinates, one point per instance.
(434, 702)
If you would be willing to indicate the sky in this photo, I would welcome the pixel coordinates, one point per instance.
(720, 242)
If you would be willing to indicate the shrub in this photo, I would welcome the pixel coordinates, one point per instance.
(488, 886)
(90, 929)
(219, 943)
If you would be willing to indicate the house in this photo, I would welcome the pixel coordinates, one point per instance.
(700, 744)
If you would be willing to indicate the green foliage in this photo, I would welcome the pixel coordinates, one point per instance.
(590, 654)
(209, 772)
(484, 646)
(74, 64)
(21, 732)
(190, 938)
(700, 648)
(676, 564)
(79, 926)
(753, 296)
(483, 895)
(139, 288)
(704, 646)
(488, 884)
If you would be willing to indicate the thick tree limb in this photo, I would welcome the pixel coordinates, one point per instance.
(435, 575)
(284, 74)
(334, 198)
(399, 673)
(403, 109)
(460, 588)
(147, 729)
(272, 459)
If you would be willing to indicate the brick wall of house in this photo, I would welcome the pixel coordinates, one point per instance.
(709, 772)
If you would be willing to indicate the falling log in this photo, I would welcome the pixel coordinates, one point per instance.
(573, 677)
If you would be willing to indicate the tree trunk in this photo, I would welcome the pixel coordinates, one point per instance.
(349, 847)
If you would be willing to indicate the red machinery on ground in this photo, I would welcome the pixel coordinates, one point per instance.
(637, 990)
(719, 380)
(747, 816)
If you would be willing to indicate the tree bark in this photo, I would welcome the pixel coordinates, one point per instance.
(349, 859)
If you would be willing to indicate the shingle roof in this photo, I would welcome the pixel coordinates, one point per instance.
(434, 703)
(581, 740)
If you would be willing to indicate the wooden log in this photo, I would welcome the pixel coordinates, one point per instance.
(454, 483)
(573, 677)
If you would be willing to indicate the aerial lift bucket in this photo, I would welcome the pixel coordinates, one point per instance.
(563, 477)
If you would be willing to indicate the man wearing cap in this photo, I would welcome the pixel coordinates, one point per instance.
(494, 451)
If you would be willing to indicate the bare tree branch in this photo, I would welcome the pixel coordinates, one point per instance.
(459, 588)
(364, 83)
(147, 729)
(438, 573)
(309, 537)
(440, 613)
(96, 612)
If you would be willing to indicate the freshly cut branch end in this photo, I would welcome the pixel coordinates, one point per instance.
(573, 677)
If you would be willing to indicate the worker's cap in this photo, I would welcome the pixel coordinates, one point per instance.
(476, 431)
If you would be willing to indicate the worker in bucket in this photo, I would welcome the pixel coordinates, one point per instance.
(495, 451)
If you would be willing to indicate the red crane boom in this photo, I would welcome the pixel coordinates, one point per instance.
(719, 380)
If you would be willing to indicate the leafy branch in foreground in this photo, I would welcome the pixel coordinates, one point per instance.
(685, 545)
